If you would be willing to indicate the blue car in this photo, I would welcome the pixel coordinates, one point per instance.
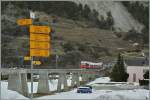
(84, 90)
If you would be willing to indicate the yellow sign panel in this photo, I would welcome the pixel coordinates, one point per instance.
(23, 22)
(39, 45)
(39, 37)
(27, 58)
(39, 29)
(36, 62)
(39, 52)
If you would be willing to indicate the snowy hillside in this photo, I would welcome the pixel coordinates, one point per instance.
(123, 20)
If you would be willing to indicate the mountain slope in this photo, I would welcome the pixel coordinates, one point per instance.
(74, 40)
(123, 20)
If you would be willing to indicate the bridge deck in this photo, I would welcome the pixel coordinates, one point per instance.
(5, 71)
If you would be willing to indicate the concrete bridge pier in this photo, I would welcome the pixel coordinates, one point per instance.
(62, 80)
(75, 80)
(24, 84)
(18, 82)
(43, 84)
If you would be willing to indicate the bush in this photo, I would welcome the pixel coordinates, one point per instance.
(133, 35)
(146, 75)
(68, 47)
(143, 82)
(82, 47)
(119, 35)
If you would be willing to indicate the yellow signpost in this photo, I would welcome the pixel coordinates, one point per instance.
(27, 58)
(39, 37)
(39, 45)
(40, 29)
(39, 52)
(23, 22)
(39, 40)
(36, 62)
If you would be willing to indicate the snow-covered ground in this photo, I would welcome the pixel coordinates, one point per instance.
(102, 95)
(100, 80)
(99, 94)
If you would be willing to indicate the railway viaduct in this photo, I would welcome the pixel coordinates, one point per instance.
(17, 79)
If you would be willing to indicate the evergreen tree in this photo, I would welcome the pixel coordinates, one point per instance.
(119, 73)
(110, 21)
(86, 11)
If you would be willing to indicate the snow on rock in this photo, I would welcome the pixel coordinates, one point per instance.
(101, 80)
(123, 20)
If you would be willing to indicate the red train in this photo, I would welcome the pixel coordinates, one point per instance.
(90, 65)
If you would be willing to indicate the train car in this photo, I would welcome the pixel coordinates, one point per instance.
(90, 65)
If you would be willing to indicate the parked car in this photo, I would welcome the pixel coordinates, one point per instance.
(84, 90)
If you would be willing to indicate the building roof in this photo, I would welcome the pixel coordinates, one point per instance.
(137, 61)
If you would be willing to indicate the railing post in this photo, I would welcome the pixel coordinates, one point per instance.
(65, 81)
(18, 82)
(62, 80)
(43, 84)
(24, 84)
(75, 79)
(14, 82)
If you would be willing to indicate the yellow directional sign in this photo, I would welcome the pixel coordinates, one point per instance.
(23, 22)
(27, 58)
(39, 29)
(39, 45)
(39, 37)
(39, 52)
(36, 62)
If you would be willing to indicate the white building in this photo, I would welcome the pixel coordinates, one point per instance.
(136, 73)
(136, 68)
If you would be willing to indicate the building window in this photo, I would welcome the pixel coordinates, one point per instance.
(134, 77)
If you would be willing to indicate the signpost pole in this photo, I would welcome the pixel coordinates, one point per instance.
(31, 78)
(32, 16)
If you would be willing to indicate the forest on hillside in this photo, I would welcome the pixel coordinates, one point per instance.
(71, 10)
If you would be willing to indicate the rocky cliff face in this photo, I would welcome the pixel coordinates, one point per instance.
(123, 20)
